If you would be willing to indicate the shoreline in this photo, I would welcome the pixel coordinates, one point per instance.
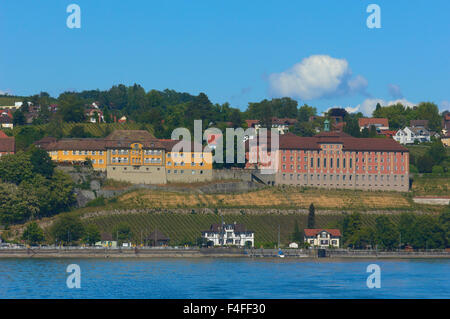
(210, 253)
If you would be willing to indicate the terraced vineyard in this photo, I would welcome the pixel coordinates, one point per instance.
(182, 228)
(271, 197)
(437, 186)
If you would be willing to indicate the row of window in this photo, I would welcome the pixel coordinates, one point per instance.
(357, 152)
(152, 152)
(120, 152)
(181, 154)
(175, 171)
(83, 152)
(338, 177)
(152, 160)
(183, 164)
(119, 160)
(370, 168)
(305, 160)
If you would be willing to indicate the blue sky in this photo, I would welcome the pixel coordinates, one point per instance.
(234, 51)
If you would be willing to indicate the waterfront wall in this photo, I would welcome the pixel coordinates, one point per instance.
(217, 252)
(432, 200)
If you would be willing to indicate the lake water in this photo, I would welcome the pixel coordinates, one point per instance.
(223, 278)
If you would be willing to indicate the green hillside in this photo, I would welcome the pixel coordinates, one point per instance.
(94, 129)
(10, 100)
(184, 228)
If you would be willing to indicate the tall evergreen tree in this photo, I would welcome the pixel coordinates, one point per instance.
(311, 216)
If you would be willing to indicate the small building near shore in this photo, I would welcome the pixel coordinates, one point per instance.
(157, 238)
(322, 238)
(106, 240)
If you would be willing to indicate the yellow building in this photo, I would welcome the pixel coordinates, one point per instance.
(135, 156)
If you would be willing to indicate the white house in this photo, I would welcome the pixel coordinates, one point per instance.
(229, 235)
(280, 124)
(409, 135)
(322, 238)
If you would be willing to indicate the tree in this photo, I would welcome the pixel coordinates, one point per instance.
(236, 118)
(18, 118)
(305, 112)
(201, 241)
(17, 205)
(67, 229)
(303, 129)
(351, 126)
(428, 233)
(311, 216)
(55, 127)
(91, 234)
(378, 107)
(351, 225)
(297, 235)
(71, 107)
(79, 132)
(55, 194)
(373, 131)
(386, 235)
(27, 135)
(33, 234)
(429, 111)
(198, 109)
(365, 132)
(362, 238)
(25, 107)
(122, 233)
(424, 163)
(406, 228)
(41, 162)
(14, 168)
(437, 152)
(444, 221)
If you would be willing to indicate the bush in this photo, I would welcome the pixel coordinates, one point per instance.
(437, 169)
(67, 229)
(413, 169)
(99, 201)
(33, 234)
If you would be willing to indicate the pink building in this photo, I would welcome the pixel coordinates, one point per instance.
(338, 160)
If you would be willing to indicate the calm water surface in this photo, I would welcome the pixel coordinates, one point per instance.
(223, 278)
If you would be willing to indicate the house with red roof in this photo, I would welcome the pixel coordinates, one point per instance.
(6, 119)
(381, 124)
(7, 144)
(322, 238)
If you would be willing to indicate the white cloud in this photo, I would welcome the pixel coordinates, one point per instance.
(317, 76)
(3, 92)
(369, 105)
(445, 106)
(350, 109)
(395, 91)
